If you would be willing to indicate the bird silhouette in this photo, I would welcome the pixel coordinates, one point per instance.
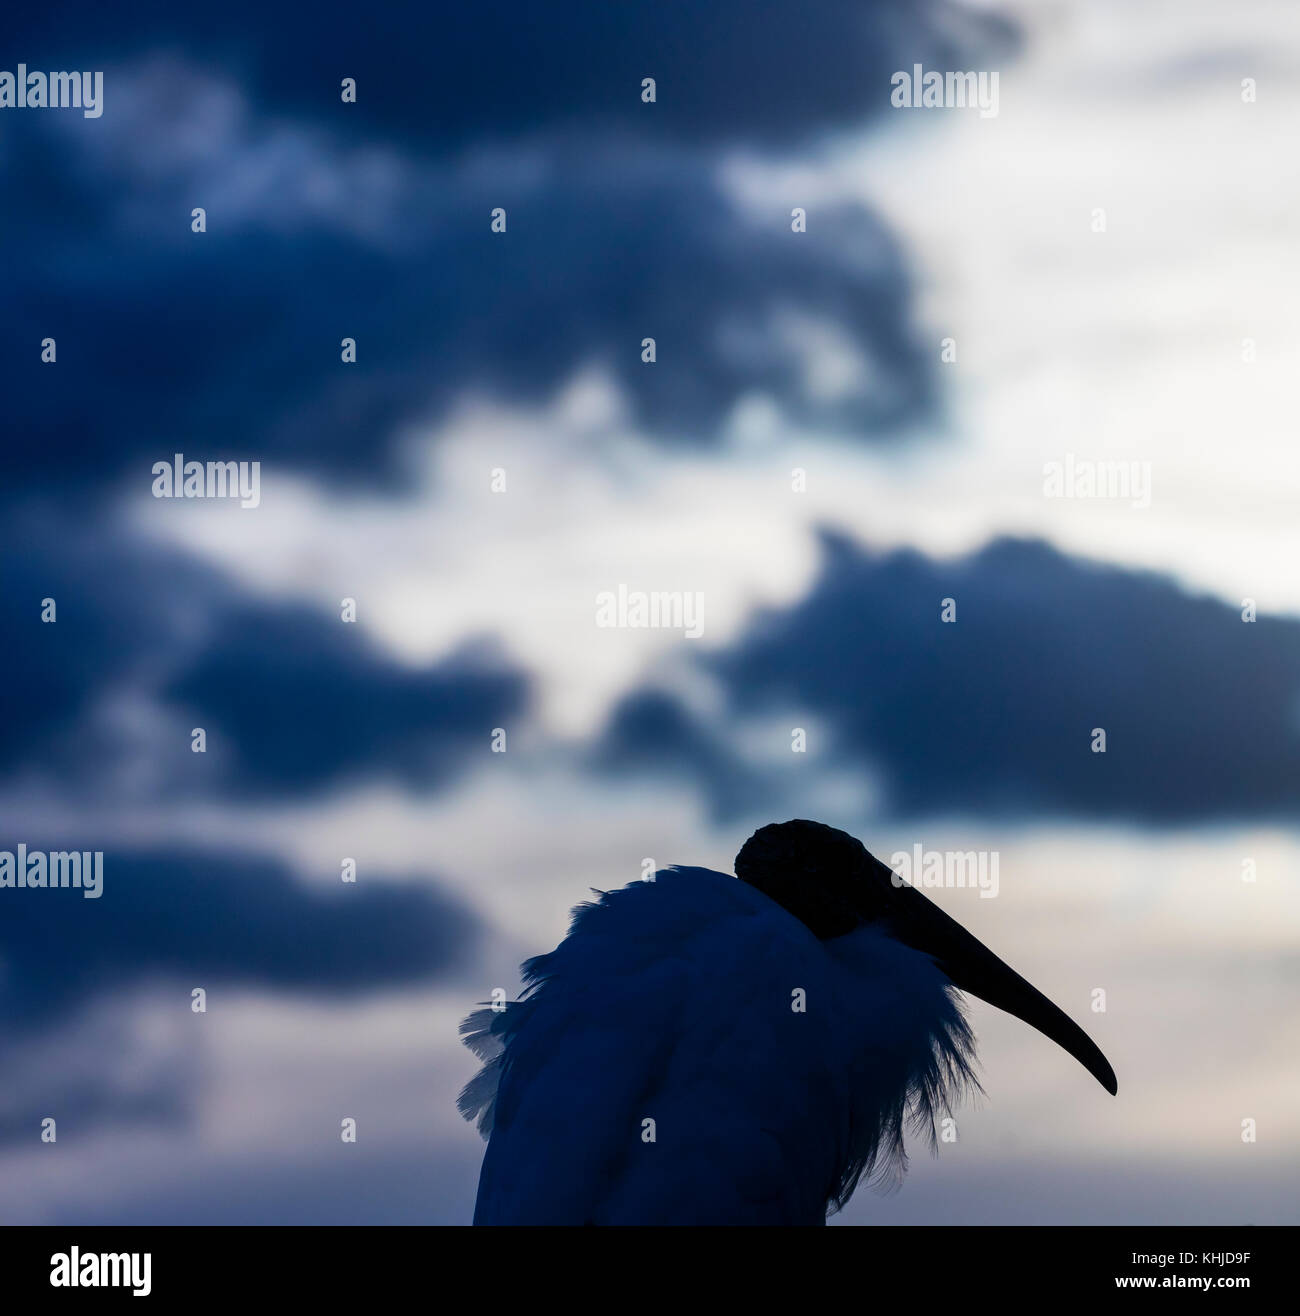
(704, 1050)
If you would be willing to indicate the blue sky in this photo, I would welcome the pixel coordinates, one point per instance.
(804, 454)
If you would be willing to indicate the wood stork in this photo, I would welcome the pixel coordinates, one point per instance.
(702, 1050)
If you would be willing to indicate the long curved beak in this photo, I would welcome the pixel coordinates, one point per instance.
(921, 924)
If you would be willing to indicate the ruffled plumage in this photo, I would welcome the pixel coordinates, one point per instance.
(777, 1071)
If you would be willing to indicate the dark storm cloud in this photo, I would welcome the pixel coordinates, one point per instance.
(995, 712)
(227, 344)
(292, 699)
(446, 77)
(76, 973)
(108, 625)
(370, 221)
(89, 1103)
(210, 919)
(303, 701)
(652, 732)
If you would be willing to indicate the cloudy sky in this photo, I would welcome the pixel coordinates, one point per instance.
(842, 428)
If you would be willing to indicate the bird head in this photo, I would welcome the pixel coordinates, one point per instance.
(830, 882)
